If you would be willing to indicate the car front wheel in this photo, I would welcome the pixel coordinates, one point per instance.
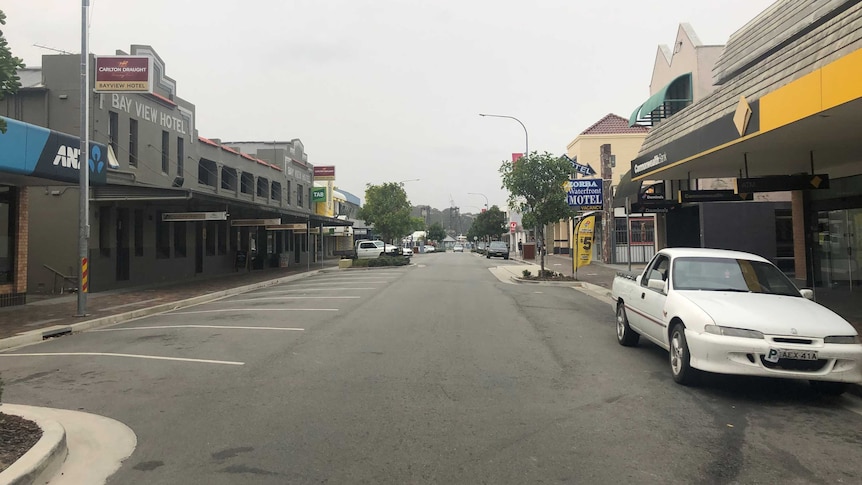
(680, 359)
(625, 335)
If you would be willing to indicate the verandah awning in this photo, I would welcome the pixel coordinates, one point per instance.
(676, 92)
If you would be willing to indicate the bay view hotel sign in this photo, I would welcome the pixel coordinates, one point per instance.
(125, 74)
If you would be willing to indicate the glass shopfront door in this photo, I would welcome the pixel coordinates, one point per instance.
(838, 248)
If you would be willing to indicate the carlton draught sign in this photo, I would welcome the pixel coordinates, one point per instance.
(124, 74)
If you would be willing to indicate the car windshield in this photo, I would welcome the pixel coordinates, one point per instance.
(728, 274)
(498, 245)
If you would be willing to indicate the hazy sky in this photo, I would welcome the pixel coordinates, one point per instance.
(390, 90)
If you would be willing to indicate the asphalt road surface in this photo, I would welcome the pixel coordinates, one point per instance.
(433, 373)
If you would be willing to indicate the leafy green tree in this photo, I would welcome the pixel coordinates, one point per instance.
(388, 210)
(9, 66)
(436, 232)
(489, 225)
(536, 186)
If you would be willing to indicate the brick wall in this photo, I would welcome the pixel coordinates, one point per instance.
(23, 243)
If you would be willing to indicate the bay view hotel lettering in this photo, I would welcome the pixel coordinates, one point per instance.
(655, 161)
(149, 113)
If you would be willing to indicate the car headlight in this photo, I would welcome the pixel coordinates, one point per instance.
(842, 339)
(732, 332)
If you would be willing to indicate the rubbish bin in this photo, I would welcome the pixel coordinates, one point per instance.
(529, 250)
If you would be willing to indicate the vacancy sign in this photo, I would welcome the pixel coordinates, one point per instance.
(124, 74)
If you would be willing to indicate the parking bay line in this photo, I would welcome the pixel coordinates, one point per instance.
(228, 327)
(297, 298)
(286, 290)
(131, 356)
(255, 310)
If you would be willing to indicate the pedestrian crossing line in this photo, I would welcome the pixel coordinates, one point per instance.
(226, 327)
(130, 356)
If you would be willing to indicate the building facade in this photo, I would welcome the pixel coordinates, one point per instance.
(781, 119)
(168, 204)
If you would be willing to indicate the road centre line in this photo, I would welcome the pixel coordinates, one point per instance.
(227, 327)
(255, 310)
(298, 298)
(131, 356)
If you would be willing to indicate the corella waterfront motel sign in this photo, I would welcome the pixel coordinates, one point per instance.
(585, 194)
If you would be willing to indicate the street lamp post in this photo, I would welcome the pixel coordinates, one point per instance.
(526, 136)
(483, 195)
(408, 180)
(526, 144)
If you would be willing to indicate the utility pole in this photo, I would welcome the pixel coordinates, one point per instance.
(84, 169)
(608, 223)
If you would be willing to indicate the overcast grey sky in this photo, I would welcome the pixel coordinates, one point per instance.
(390, 90)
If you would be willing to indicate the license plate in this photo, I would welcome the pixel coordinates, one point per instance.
(775, 354)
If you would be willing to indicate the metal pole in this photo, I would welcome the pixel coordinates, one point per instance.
(629, 235)
(84, 169)
(308, 248)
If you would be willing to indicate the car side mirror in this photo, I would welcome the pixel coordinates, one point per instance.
(656, 285)
(807, 293)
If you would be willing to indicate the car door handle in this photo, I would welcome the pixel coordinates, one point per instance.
(643, 295)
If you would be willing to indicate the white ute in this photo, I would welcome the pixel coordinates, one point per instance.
(731, 312)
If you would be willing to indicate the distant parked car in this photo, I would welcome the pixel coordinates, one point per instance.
(498, 249)
(429, 248)
(458, 248)
(366, 249)
(407, 252)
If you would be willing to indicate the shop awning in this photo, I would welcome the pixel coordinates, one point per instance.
(626, 188)
(671, 98)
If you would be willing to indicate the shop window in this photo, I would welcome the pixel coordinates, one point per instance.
(166, 145)
(207, 172)
(228, 179)
(275, 192)
(113, 130)
(105, 231)
(212, 237)
(163, 238)
(262, 187)
(181, 156)
(223, 238)
(180, 239)
(8, 211)
(246, 183)
(139, 232)
(133, 143)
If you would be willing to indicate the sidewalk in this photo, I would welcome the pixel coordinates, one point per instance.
(57, 313)
(842, 302)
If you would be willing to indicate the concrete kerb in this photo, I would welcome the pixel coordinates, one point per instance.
(37, 336)
(43, 460)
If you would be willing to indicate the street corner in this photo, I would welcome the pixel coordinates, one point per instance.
(78, 447)
(41, 462)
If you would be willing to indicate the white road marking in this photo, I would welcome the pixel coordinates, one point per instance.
(131, 356)
(310, 289)
(329, 283)
(256, 310)
(229, 327)
(298, 298)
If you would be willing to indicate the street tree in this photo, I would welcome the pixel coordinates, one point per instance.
(489, 225)
(388, 210)
(9, 66)
(536, 185)
(436, 232)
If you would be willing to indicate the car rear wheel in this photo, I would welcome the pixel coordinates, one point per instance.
(680, 359)
(625, 335)
(829, 388)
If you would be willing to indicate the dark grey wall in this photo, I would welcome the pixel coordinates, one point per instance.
(743, 226)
